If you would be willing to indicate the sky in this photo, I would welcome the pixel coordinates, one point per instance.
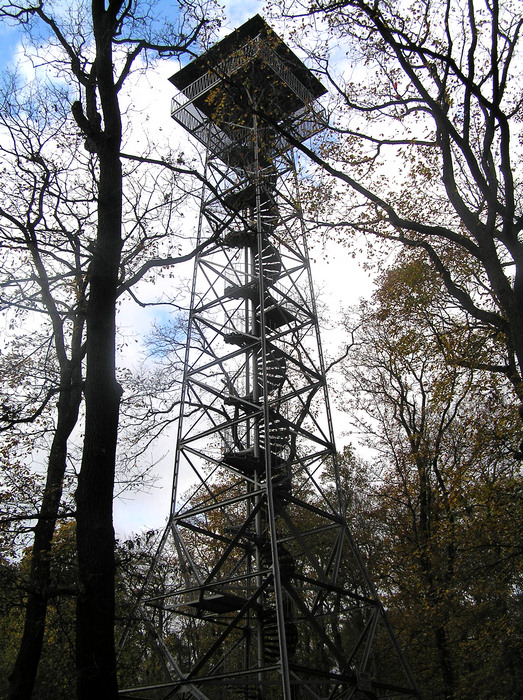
(339, 280)
(9, 40)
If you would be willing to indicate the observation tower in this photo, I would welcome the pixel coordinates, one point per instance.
(257, 591)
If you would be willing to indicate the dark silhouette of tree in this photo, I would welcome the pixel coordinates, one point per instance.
(422, 146)
(92, 49)
(42, 234)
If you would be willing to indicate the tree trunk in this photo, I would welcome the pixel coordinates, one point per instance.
(434, 578)
(95, 612)
(96, 658)
(24, 673)
(516, 327)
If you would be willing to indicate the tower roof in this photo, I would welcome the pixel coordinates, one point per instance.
(254, 27)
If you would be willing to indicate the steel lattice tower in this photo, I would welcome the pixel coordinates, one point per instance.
(267, 596)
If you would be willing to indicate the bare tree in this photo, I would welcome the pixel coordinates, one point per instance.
(422, 148)
(91, 48)
(42, 234)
